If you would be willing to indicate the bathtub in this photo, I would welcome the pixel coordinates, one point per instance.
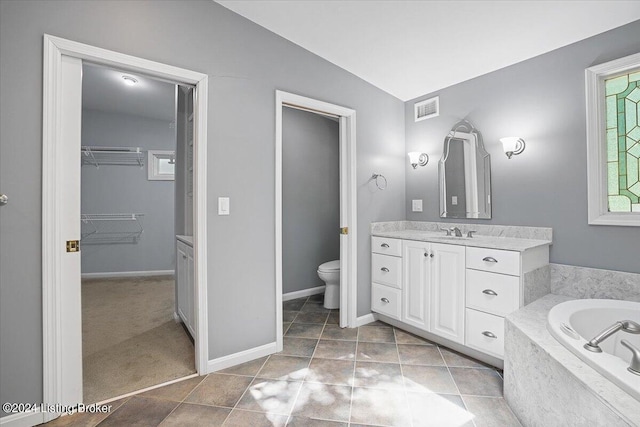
(574, 323)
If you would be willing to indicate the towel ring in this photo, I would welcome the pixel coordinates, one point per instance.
(382, 183)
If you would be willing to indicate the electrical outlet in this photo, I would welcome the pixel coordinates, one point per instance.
(416, 205)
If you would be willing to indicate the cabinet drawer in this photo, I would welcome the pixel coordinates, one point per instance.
(485, 332)
(494, 260)
(387, 270)
(492, 293)
(383, 245)
(386, 300)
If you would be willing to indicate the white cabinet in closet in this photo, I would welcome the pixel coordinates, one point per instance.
(185, 282)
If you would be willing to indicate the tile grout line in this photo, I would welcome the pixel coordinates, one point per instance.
(171, 412)
(353, 377)
(253, 378)
(456, 384)
(183, 399)
(404, 388)
(295, 400)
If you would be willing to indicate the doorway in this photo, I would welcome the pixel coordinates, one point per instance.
(62, 106)
(133, 335)
(348, 204)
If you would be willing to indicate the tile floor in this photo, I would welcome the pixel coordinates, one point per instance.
(327, 376)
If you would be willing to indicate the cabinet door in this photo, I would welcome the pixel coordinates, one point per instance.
(416, 271)
(181, 281)
(191, 318)
(448, 291)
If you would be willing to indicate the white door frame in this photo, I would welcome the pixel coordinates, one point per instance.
(348, 203)
(53, 197)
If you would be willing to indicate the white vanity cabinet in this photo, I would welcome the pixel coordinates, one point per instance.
(433, 288)
(386, 276)
(185, 282)
(495, 288)
(456, 291)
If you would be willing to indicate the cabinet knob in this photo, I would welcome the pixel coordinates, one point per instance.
(184, 256)
(384, 245)
(489, 334)
(432, 254)
(489, 259)
(384, 300)
(385, 269)
(490, 292)
(426, 254)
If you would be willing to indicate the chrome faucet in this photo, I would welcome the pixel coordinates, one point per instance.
(456, 231)
(634, 366)
(624, 325)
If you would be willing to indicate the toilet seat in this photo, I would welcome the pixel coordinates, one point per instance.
(330, 266)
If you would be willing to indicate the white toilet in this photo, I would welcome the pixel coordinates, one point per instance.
(329, 272)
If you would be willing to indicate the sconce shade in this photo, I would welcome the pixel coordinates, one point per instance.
(417, 158)
(512, 145)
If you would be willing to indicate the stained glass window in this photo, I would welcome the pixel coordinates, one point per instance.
(623, 142)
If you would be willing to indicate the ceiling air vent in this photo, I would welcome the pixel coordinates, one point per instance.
(427, 109)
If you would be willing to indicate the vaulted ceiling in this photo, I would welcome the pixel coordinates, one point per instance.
(410, 48)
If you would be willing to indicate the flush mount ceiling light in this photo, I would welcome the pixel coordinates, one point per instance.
(417, 158)
(512, 145)
(129, 81)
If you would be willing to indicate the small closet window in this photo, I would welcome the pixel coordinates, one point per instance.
(161, 165)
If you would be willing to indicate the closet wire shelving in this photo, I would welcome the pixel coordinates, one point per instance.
(111, 228)
(125, 156)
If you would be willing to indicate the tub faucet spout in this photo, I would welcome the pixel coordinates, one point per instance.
(634, 366)
(624, 325)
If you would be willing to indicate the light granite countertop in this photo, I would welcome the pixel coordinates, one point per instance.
(532, 321)
(478, 241)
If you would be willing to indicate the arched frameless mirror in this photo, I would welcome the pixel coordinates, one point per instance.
(465, 174)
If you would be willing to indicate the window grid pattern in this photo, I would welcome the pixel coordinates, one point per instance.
(623, 142)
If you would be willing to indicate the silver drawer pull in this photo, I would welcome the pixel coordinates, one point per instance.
(384, 300)
(384, 245)
(385, 269)
(489, 334)
(489, 259)
(490, 292)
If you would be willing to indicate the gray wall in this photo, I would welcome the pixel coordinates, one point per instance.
(541, 100)
(126, 189)
(310, 197)
(245, 64)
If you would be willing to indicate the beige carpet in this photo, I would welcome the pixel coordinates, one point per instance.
(129, 338)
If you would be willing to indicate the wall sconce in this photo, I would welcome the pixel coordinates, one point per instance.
(416, 158)
(512, 145)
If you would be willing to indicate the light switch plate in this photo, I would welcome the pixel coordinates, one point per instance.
(416, 205)
(454, 200)
(223, 206)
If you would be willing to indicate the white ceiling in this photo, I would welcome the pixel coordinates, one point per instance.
(411, 48)
(104, 89)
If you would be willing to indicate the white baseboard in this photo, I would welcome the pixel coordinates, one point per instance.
(367, 318)
(303, 293)
(25, 419)
(107, 274)
(240, 357)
